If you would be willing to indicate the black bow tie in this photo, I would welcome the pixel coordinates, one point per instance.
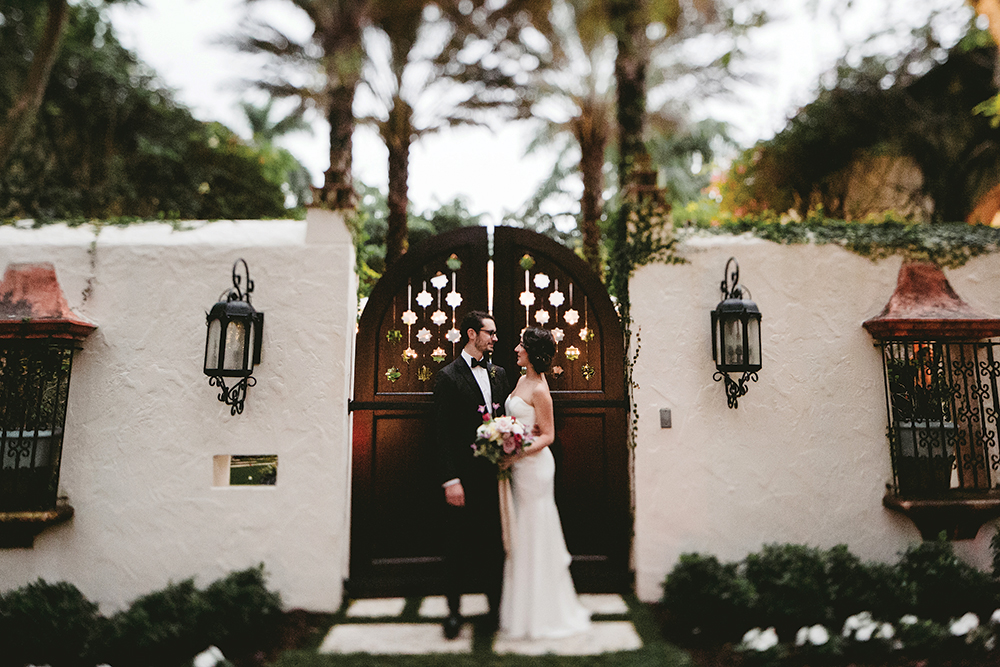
(479, 362)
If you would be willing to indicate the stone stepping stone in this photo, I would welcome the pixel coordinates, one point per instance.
(376, 607)
(395, 638)
(603, 637)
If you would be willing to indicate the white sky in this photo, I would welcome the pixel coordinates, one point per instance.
(178, 39)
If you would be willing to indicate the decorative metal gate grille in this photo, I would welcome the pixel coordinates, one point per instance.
(943, 405)
(34, 385)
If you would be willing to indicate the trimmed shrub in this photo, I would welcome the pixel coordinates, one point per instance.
(240, 614)
(161, 629)
(791, 585)
(856, 586)
(708, 597)
(943, 586)
(52, 624)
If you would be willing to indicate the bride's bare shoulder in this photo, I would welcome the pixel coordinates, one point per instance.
(540, 392)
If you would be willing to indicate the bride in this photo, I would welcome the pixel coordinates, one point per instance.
(538, 599)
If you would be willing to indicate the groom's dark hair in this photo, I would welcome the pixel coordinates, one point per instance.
(472, 320)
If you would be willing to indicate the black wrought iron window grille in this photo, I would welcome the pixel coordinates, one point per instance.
(943, 403)
(34, 386)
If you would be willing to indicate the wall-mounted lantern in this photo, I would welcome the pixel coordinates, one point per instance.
(735, 335)
(232, 345)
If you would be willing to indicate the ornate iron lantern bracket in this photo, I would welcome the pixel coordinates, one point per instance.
(735, 336)
(233, 341)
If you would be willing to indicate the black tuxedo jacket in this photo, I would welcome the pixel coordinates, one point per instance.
(457, 398)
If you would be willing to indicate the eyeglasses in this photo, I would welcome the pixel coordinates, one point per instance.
(489, 332)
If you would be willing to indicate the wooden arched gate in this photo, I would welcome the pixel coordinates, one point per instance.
(409, 330)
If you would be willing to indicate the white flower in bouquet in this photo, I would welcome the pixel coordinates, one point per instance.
(499, 438)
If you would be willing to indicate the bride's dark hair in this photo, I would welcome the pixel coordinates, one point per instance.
(540, 346)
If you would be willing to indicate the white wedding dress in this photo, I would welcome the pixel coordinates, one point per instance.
(539, 600)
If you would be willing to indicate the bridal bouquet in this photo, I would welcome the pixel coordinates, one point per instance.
(500, 438)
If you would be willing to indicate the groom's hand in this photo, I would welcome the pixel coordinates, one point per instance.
(454, 495)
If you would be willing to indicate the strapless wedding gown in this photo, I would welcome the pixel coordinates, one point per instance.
(539, 600)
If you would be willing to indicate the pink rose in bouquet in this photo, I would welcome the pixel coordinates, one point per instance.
(500, 438)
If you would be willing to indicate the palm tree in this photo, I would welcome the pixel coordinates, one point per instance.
(281, 166)
(374, 41)
(417, 51)
(575, 98)
(29, 98)
(335, 53)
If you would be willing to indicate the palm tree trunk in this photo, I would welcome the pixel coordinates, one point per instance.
(25, 107)
(628, 20)
(397, 134)
(593, 139)
(338, 186)
(344, 57)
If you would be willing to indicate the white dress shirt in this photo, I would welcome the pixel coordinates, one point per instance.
(483, 380)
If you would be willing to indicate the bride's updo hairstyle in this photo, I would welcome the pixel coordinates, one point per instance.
(540, 346)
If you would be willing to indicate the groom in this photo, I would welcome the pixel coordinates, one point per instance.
(472, 540)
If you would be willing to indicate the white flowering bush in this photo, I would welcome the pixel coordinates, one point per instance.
(807, 606)
(761, 647)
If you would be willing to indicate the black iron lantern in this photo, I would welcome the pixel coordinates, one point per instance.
(232, 344)
(735, 335)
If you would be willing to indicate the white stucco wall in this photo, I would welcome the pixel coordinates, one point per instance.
(804, 459)
(143, 423)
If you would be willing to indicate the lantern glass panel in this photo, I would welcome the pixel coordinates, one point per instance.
(753, 340)
(212, 347)
(732, 337)
(235, 346)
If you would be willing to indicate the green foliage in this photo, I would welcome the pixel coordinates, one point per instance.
(52, 624)
(109, 142)
(159, 629)
(712, 599)
(371, 224)
(855, 585)
(674, 155)
(447, 217)
(56, 625)
(995, 550)
(278, 165)
(943, 586)
(240, 613)
(948, 245)
(791, 585)
(909, 105)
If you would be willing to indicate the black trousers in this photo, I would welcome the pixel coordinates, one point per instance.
(473, 544)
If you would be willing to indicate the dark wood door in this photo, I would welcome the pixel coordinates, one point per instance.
(406, 334)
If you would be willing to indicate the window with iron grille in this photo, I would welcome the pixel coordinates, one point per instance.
(34, 385)
(943, 404)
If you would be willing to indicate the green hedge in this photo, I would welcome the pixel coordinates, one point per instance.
(56, 625)
(790, 586)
